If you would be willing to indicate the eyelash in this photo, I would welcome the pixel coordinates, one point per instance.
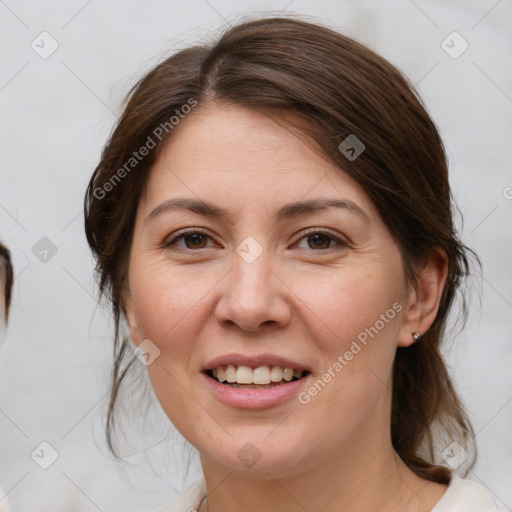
(192, 231)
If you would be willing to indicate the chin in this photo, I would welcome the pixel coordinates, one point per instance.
(255, 454)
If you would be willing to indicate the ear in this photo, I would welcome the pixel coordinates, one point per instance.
(423, 299)
(128, 309)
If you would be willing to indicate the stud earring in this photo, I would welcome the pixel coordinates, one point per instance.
(416, 335)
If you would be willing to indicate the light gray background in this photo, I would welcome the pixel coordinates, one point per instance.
(56, 114)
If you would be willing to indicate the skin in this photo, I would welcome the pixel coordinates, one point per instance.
(305, 297)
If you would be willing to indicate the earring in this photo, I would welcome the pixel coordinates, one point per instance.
(416, 335)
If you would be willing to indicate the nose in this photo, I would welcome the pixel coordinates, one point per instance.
(253, 295)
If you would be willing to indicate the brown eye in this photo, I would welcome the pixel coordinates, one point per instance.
(319, 240)
(196, 241)
(192, 240)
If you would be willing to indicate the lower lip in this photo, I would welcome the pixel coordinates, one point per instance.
(255, 398)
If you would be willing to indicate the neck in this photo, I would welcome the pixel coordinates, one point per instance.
(352, 482)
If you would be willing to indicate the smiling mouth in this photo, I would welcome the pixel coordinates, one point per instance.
(245, 377)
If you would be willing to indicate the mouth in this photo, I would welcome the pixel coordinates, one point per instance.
(260, 377)
(260, 381)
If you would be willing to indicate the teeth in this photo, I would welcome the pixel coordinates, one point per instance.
(230, 373)
(276, 375)
(288, 374)
(244, 375)
(262, 375)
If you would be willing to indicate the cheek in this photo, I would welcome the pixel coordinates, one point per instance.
(171, 308)
(350, 303)
(168, 306)
(355, 318)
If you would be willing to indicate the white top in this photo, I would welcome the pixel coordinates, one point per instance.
(461, 496)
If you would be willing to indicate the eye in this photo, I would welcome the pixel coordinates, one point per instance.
(318, 239)
(193, 239)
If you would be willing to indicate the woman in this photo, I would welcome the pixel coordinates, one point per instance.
(272, 217)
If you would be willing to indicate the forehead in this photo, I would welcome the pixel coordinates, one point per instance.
(236, 155)
(238, 138)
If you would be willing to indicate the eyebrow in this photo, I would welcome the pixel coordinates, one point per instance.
(287, 211)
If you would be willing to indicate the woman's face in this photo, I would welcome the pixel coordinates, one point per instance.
(257, 288)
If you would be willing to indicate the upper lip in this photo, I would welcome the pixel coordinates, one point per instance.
(255, 361)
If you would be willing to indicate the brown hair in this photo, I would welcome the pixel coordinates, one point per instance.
(6, 277)
(337, 87)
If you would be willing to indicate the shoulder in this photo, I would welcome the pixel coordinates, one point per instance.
(465, 496)
(188, 501)
(461, 496)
